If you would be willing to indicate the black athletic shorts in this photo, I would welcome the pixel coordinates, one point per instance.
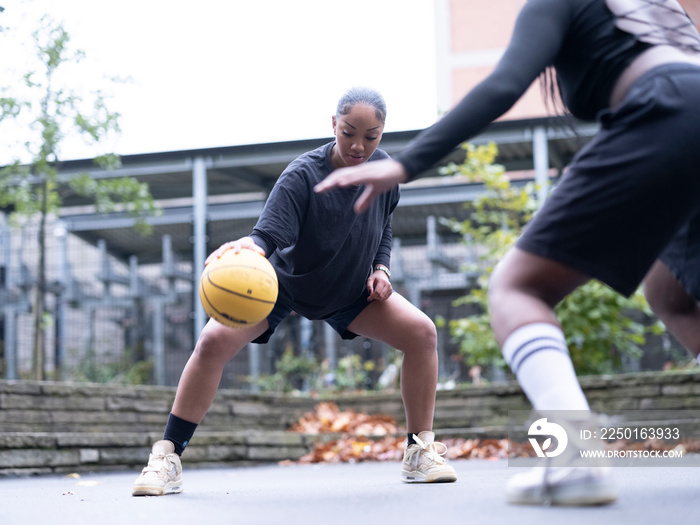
(632, 194)
(338, 320)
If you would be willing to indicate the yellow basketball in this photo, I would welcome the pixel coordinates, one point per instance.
(238, 289)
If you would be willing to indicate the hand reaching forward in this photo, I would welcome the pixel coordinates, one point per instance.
(378, 177)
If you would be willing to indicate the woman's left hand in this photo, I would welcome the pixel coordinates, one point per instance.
(378, 286)
(378, 177)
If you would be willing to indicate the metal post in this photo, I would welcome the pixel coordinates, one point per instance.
(10, 315)
(330, 339)
(540, 155)
(105, 269)
(431, 239)
(63, 282)
(90, 336)
(254, 363)
(9, 312)
(133, 276)
(305, 332)
(158, 343)
(168, 257)
(199, 219)
(5, 243)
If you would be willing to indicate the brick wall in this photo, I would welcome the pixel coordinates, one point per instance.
(58, 428)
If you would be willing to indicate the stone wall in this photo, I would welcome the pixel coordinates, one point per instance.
(58, 428)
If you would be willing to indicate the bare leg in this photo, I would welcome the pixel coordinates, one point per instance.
(674, 306)
(398, 323)
(216, 346)
(523, 293)
(525, 288)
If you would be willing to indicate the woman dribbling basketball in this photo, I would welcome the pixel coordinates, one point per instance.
(331, 265)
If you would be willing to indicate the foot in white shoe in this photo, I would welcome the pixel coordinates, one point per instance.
(162, 475)
(573, 486)
(570, 481)
(422, 463)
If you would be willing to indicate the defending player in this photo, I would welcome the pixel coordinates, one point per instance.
(627, 209)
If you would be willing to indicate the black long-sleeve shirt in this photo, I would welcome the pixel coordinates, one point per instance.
(323, 252)
(583, 42)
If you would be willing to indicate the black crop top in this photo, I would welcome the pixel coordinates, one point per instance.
(579, 38)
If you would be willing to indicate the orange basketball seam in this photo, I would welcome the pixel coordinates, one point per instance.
(255, 268)
(219, 312)
(226, 315)
(236, 293)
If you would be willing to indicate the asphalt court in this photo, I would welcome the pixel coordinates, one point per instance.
(338, 494)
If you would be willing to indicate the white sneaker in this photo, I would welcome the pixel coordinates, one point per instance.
(575, 486)
(162, 475)
(422, 463)
(571, 481)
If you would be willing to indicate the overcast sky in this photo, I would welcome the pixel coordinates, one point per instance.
(228, 72)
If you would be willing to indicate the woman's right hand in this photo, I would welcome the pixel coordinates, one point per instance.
(244, 243)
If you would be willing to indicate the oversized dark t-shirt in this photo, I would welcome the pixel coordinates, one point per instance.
(323, 252)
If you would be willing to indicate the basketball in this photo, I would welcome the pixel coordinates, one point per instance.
(238, 289)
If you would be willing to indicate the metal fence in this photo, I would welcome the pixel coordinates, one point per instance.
(112, 319)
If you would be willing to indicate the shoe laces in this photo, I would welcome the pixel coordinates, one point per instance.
(159, 462)
(427, 450)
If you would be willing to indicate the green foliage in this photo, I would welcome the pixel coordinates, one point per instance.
(351, 374)
(9, 108)
(121, 371)
(295, 373)
(53, 110)
(114, 194)
(600, 325)
(291, 371)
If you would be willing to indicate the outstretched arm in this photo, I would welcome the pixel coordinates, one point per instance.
(378, 177)
(537, 37)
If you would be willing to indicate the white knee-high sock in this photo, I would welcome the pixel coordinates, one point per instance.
(538, 356)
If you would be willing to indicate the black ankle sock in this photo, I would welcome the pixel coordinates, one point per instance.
(411, 441)
(179, 432)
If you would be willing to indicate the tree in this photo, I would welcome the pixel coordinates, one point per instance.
(600, 325)
(54, 112)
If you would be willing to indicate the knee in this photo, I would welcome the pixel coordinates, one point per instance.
(423, 335)
(429, 334)
(210, 345)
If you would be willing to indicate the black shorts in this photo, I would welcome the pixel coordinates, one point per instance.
(632, 194)
(338, 320)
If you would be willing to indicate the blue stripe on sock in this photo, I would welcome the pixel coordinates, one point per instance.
(516, 368)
